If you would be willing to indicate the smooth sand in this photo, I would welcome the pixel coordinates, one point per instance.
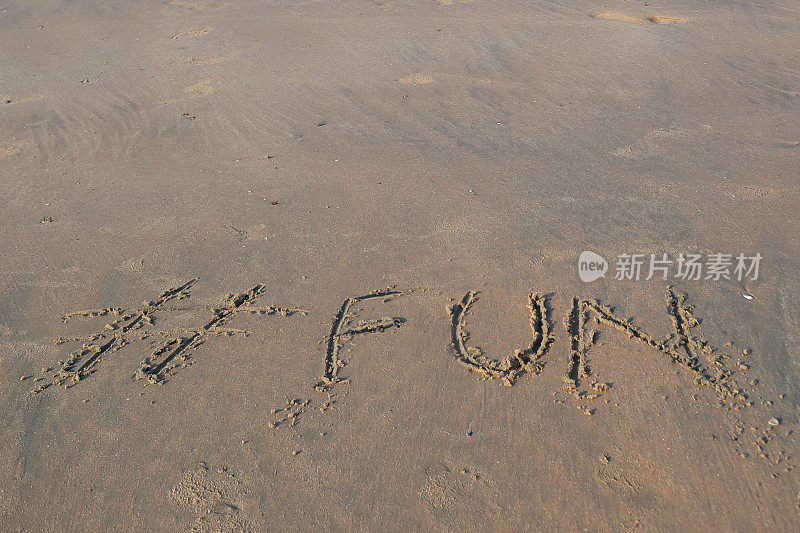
(326, 150)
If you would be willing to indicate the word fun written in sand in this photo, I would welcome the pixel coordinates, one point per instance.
(138, 323)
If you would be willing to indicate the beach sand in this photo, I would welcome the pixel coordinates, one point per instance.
(287, 228)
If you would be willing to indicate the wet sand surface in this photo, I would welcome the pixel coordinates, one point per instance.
(277, 163)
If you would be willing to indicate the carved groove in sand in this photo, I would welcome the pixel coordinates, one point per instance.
(527, 360)
(135, 324)
(173, 353)
(345, 327)
(682, 347)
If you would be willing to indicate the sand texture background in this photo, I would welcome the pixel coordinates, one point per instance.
(217, 188)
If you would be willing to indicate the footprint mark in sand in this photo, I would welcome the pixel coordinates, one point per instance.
(650, 19)
(417, 78)
(205, 60)
(192, 33)
(198, 6)
(651, 144)
(449, 492)
(11, 147)
(201, 88)
(217, 497)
